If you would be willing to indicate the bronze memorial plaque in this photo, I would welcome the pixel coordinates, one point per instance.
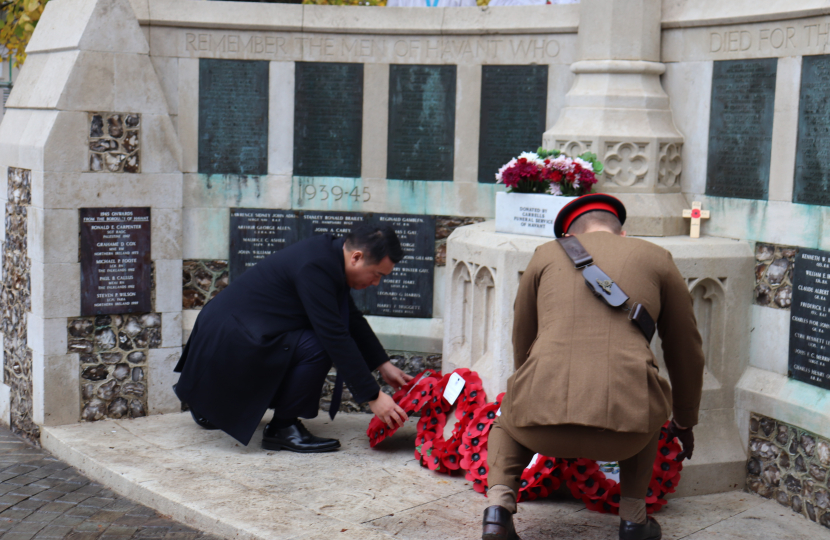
(740, 128)
(115, 261)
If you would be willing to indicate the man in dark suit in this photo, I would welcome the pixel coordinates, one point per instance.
(269, 339)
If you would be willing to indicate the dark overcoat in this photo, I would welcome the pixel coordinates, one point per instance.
(243, 339)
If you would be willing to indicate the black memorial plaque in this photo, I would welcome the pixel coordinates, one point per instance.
(334, 223)
(514, 103)
(421, 137)
(256, 233)
(233, 117)
(115, 261)
(740, 128)
(407, 292)
(328, 119)
(812, 159)
(810, 319)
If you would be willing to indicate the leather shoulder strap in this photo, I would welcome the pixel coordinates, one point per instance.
(573, 247)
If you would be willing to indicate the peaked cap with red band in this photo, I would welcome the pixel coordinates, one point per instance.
(582, 205)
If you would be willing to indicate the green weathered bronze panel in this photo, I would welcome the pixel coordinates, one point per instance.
(812, 159)
(740, 128)
(513, 108)
(421, 142)
(233, 117)
(328, 119)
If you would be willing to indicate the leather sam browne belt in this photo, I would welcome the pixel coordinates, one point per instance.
(604, 287)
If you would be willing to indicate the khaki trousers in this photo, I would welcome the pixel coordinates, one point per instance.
(510, 449)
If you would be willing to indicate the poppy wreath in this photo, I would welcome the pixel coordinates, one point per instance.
(600, 494)
(412, 397)
(432, 449)
(473, 447)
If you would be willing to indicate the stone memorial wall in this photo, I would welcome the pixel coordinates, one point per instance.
(812, 177)
(513, 111)
(233, 117)
(740, 128)
(115, 261)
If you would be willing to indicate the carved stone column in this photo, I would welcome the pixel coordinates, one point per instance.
(617, 108)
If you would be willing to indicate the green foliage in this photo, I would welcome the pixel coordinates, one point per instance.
(544, 154)
(19, 20)
(591, 158)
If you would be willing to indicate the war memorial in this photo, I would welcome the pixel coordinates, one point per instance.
(155, 150)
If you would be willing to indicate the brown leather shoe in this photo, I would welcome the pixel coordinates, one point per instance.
(498, 524)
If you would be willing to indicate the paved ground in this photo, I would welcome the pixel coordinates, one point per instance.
(208, 481)
(42, 497)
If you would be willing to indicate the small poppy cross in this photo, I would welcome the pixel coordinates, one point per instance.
(696, 214)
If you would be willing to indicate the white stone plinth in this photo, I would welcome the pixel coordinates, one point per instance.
(528, 213)
(483, 272)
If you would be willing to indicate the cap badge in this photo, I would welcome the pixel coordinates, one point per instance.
(605, 284)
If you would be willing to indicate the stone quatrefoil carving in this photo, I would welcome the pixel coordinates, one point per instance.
(626, 163)
(669, 164)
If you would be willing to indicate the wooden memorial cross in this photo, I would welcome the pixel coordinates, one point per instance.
(696, 214)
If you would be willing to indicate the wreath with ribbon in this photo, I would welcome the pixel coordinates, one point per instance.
(434, 450)
(466, 448)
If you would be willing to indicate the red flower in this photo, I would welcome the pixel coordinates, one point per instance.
(581, 469)
(479, 485)
(472, 461)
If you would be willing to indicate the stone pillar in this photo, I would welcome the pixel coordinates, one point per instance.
(617, 108)
(86, 126)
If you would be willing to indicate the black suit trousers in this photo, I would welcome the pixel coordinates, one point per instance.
(299, 393)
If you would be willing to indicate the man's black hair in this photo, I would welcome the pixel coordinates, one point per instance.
(375, 242)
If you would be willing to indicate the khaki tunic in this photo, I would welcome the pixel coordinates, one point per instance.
(579, 361)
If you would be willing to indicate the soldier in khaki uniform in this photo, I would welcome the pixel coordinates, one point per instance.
(586, 383)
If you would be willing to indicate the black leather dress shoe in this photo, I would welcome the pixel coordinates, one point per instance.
(201, 420)
(296, 438)
(650, 530)
(498, 524)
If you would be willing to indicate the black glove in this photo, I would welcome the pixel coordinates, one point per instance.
(686, 438)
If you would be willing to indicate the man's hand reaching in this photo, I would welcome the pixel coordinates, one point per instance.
(388, 411)
(393, 376)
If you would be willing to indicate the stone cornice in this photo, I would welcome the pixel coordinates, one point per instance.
(558, 19)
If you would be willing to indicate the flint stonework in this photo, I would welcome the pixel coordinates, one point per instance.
(15, 297)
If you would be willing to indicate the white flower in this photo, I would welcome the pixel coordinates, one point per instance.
(504, 168)
(585, 164)
(555, 189)
(532, 157)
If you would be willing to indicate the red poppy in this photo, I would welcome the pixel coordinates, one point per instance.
(472, 461)
(581, 469)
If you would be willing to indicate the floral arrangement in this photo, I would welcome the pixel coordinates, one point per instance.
(466, 450)
(550, 172)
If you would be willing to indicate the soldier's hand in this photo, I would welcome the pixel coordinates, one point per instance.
(388, 411)
(686, 438)
(393, 376)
